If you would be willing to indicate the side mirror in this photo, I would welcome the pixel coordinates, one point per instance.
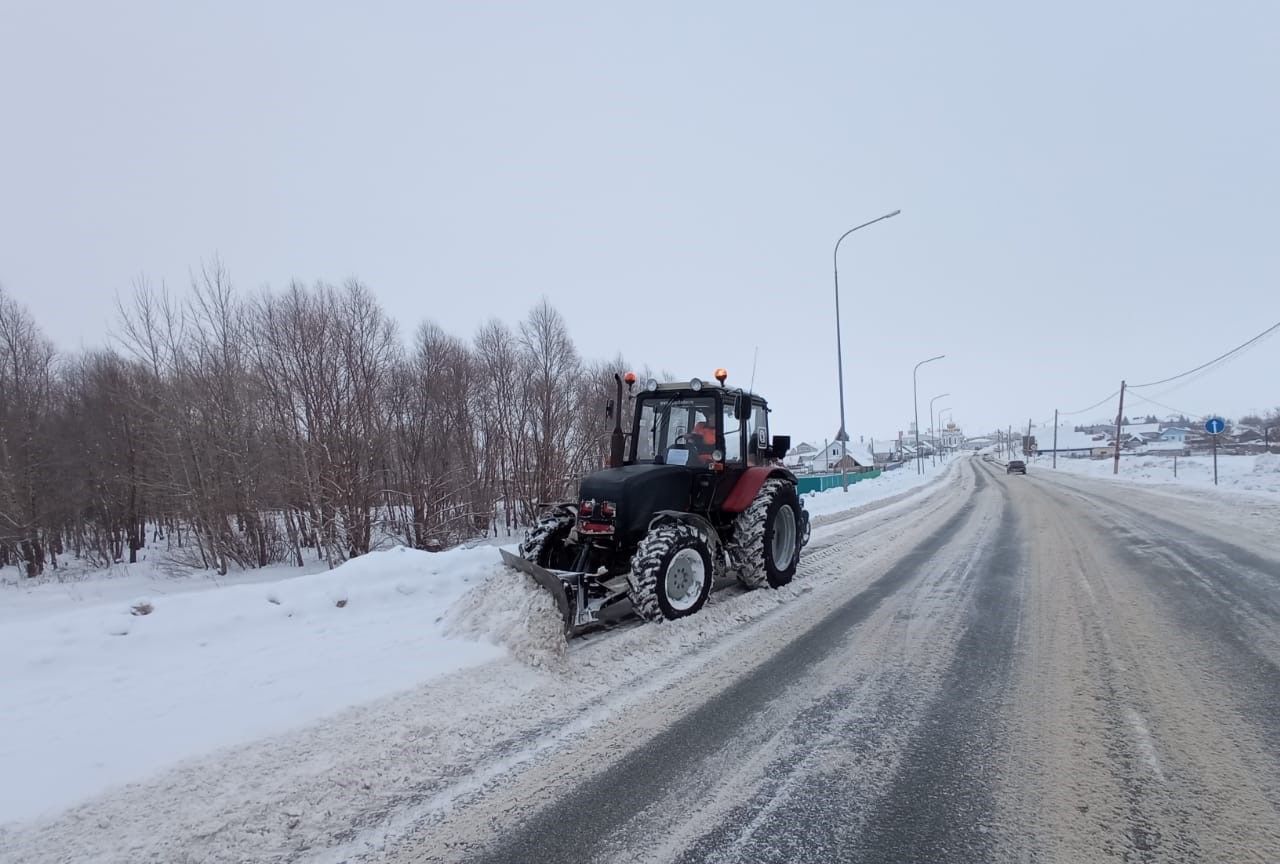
(781, 445)
(742, 407)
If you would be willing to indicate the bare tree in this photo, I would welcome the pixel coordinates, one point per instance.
(238, 432)
(26, 389)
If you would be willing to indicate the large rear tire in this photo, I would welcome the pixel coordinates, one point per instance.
(547, 542)
(767, 536)
(671, 572)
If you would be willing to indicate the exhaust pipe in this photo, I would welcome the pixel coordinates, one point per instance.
(616, 441)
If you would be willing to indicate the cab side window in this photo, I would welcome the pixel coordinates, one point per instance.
(732, 434)
(757, 434)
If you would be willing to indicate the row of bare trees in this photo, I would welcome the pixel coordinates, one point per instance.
(240, 431)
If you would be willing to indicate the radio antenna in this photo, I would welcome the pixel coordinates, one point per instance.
(752, 387)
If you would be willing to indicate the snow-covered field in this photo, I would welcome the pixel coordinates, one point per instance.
(1256, 475)
(112, 678)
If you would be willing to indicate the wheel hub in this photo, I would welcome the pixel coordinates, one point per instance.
(685, 578)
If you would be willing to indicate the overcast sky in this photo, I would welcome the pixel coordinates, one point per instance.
(1089, 190)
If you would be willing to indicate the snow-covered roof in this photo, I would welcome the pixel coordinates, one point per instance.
(1141, 429)
(1068, 439)
(884, 445)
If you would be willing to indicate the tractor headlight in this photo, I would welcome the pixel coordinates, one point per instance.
(716, 456)
(695, 385)
(651, 385)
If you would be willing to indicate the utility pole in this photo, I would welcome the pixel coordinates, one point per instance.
(1009, 441)
(1028, 438)
(1115, 468)
(1055, 438)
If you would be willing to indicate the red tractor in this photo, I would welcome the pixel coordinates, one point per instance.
(695, 492)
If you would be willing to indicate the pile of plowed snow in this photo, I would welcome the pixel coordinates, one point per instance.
(509, 609)
(94, 694)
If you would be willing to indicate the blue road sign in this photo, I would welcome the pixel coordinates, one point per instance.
(1214, 425)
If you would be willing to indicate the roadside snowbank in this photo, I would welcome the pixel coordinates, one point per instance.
(1256, 475)
(94, 694)
(890, 483)
(99, 694)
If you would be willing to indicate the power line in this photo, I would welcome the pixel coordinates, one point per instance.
(1101, 401)
(1215, 360)
(1177, 411)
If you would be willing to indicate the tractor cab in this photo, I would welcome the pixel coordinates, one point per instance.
(690, 424)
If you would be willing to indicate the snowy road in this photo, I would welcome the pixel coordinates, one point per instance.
(1043, 668)
(1053, 669)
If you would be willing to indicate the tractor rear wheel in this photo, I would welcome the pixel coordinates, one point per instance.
(767, 536)
(671, 572)
(547, 542)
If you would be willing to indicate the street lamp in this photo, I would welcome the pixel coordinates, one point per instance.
(933, 429)
(835, 268)
(915, 400)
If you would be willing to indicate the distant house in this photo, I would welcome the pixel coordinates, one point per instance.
(886, 450)
(817, 461)
(1071, 444)
(1140, 430)
(1174, 433)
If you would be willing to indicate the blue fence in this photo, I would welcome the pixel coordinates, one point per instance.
(822, 482)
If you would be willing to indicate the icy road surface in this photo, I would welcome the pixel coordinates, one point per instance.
(1041, 668)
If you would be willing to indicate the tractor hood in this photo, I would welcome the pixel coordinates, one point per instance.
(639, 491)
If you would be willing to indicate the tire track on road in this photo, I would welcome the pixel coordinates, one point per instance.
(574, 826)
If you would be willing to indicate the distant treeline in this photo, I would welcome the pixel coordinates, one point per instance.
(244, 431)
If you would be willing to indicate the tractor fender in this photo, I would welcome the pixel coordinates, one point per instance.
(665, 516)
(748, 486)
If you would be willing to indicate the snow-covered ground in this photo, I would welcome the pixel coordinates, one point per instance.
(93, 693)
(1256, 475)
(109, 679)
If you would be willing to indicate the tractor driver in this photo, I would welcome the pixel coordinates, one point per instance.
(703, 440)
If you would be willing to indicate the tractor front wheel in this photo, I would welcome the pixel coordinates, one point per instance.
(671, 572)
(547, 542)
(767, 536)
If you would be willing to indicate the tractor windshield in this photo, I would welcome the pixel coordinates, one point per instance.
(676, 429)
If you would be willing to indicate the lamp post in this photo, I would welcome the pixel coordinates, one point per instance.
(933, 429)
(835, 269)
(915, 400)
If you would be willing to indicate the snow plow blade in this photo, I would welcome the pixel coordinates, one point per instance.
(552, 582)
